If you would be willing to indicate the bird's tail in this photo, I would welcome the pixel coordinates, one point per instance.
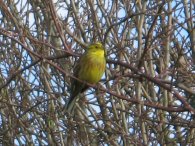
(74, 98)
(71, 104)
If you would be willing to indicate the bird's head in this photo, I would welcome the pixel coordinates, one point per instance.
(96, 48)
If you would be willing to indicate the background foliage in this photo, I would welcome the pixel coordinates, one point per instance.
(146, 96)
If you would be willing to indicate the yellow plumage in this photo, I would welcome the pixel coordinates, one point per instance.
(89, 68)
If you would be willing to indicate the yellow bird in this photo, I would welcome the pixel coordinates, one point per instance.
(89, 68)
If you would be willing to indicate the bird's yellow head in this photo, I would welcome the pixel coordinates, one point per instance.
(96, 48)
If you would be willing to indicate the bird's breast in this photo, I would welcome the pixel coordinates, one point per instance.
(93, 68)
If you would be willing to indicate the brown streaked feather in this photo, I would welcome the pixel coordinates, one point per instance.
(76, 86)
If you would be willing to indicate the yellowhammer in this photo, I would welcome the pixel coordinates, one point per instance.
(89, 68)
